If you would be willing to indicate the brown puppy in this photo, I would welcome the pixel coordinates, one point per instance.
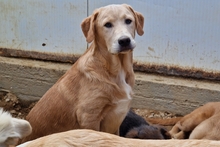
(202, 123)
(96, 92)
(90, 138)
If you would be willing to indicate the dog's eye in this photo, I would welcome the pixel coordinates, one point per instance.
(108, 25)
(128, 21)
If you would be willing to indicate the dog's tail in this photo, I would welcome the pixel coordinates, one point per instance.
(165, 122)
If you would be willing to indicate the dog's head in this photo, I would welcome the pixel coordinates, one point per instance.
(113, 27)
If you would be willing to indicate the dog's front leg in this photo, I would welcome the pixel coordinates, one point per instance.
(114, 118)
(111, 124)
(177, 132)
(89, 116)
(89, 120)
(180, 135)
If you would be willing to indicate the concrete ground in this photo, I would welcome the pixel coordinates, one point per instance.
(30, 79)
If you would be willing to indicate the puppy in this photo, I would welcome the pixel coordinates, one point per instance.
(90, 138)
(148, 132)
(202, 123)
(131, 121)
(134, 126)
(11, 129)
(95, 93)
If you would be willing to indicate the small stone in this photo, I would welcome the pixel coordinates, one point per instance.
(157, 115)
(13, 111)
(151, 115)
(162, 114)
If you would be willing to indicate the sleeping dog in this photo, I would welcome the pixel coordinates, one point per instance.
(91, 138)
(134, 126)
(202, 123)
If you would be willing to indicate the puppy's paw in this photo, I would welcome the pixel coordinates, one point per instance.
(180, 135)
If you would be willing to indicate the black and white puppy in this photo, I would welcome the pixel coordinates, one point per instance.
(134, 126)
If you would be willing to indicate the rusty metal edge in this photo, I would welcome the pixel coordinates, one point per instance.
(146, 68)
(68, 58)
(177, 71)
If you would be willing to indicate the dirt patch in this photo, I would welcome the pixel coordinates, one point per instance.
(145, 113)
(11, 103)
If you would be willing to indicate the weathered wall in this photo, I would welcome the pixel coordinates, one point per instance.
(178, 34)
(29, 80)
(176, 95)
(44, 26)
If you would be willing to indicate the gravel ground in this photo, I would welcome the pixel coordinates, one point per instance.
(10, 103)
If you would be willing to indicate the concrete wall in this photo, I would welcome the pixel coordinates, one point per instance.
(30, 79)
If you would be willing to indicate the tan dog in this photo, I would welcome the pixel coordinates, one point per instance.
(90, 138)
(202, 123)
(11, 129)
(96, 92)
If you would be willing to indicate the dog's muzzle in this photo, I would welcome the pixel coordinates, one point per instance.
(124, 44)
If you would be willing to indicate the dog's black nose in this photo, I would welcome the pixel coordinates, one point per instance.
(124, 41)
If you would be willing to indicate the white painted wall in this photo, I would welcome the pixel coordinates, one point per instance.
(27, 24)
(183, 33)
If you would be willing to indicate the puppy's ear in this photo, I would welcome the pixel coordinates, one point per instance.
(18, 129)
(139, 20)
(88, 27)
(21, 127)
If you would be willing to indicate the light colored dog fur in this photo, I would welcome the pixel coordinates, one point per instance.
(90, 138)
(12, 129)
(202, 123)
(96, 92)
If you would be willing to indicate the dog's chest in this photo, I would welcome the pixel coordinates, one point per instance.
(123, 105)
(124, 86)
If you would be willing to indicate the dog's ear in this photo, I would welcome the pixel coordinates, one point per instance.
(88, 27)
(139, 20)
